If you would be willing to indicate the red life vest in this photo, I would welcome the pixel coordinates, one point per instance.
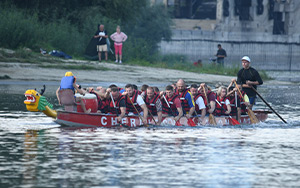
(129, 107)
(151, 104)
(209, 94)
(233, 105)
(165, 107)
(112, 109)
(219, 111)
(184, 103)
(103, 105)
(243, 106)
(196, 105)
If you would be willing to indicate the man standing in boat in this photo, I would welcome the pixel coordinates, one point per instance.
(153, 103)
(185, 96)
(135, 103)
(248, 77)
(65, 93)
(171, 105)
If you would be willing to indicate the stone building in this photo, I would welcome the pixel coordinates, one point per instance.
(266, 30)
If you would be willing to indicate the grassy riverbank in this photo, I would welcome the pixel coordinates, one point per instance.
(167, 62)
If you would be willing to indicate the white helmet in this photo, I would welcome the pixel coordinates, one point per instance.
(246, 58)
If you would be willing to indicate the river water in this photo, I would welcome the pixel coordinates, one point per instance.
(36, 152)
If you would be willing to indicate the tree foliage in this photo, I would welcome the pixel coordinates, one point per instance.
(69, 24)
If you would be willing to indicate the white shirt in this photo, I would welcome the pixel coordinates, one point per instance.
(139, 100)
(200, 103)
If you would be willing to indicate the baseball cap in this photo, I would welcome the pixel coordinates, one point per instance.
(246, 58)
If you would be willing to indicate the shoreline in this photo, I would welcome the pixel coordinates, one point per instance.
(116, 73)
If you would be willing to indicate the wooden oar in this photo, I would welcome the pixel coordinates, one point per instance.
(113, 101)
(152, 116)
(251, 114)
(211, 118)
(136, 111)
(268, 104)
(177, 123)
(233, 121)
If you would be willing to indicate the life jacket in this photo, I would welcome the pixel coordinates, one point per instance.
(129, 107)
(67, 82)
(219, 111)
(151, 104)
(209, 94)
(243, 106)
(103, 105)
(196, 105)
(184, 102)
(112, 109)
(165, 107)
(233, 105)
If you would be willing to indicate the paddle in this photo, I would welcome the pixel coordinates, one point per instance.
(152, 116)
(113, 101)
(251, 114)
(136, 110)
(211, 118)
(267, 104)
(177, 123)
(233, 121)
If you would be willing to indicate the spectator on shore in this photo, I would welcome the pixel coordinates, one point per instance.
(118, 37)
(221, 54)
(102, 45)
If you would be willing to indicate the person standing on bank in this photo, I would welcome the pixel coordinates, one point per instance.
(248, 77)
(221, 54)
(118, 38)
(102, 45)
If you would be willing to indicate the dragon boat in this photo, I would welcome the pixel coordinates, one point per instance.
(35, 102)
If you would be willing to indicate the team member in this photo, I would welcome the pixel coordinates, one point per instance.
(185, 96)
(172, 100)
(138, 102)
(103, 99)
(153, 103)
(200, 107)
(211, 103)
(119, 101)
(65, 93)
(225, 107)
(248, 77)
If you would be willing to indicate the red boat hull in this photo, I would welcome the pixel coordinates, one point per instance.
(104, 120)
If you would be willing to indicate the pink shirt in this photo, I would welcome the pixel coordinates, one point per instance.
(118, 38)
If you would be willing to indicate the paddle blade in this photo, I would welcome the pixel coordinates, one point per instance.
(178, 123)
(234, 121)
(191, 122)
(212, 120)
(252, 117)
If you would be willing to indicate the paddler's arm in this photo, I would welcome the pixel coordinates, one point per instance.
(228, 107)
(212, 107)
(145, 111)
(159, 110)
(123, 111)
(77, 89)
(180, 114)
(57, 95)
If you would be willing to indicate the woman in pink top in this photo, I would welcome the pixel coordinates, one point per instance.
(118, 38)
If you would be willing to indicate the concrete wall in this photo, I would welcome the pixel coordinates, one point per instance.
(267, 52)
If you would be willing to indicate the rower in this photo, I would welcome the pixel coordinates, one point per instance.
(200, 107)
(103, 99)
(225, 107)
(248, 77)
(65, 93)
(171, 105)
(185, 96)
(211, 103)
(153, 103)
(117, 105)
(138, 102)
